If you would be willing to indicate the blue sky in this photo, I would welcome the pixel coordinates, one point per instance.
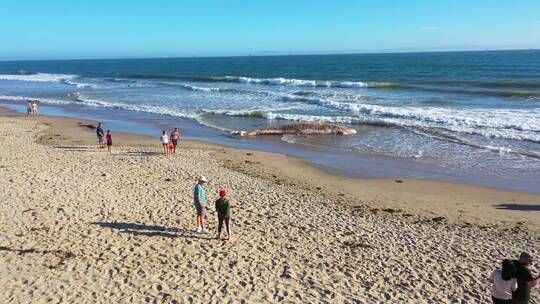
(38, 29)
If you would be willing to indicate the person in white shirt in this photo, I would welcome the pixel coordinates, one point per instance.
(34, 108)
(504, 283)
(165, 142)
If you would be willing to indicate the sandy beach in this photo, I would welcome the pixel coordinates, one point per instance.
(80, 225)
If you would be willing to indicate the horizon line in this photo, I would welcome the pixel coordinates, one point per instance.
(279, 55)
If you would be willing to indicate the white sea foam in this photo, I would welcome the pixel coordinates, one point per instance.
(191, 87)
(170, 84)
(230, 112)
(81, 100)
(351, 84)
(302, 82)
(14, 98)
(80, 85)
(200, 89)
(44, 77)
(496, 123)
(41, 77)
(162, 110)
(43, 100)
(501, 123)
(515, 124)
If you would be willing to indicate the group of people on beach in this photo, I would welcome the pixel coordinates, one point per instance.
(104, 139)
(223, 209)
(222, 204)
(32, 108)
(170, 142)
(513, 282)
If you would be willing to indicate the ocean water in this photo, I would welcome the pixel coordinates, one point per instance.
(471, 112)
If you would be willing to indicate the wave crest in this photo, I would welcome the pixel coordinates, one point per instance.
(302, 82)
(39, 77)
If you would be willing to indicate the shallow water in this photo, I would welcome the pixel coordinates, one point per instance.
(330, 159)
(467, 112)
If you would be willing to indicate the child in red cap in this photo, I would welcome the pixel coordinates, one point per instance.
(223, 208)
(108, 136)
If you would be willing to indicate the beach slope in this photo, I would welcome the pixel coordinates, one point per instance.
(78, 224)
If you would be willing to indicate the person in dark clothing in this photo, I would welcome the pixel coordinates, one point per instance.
(175, 136)
(223, 208)
(100, 134)
(525, 280)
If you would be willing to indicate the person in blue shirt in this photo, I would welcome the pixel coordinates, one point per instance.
(199, 200)
(100, 134)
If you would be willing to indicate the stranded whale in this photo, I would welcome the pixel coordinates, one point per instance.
(301, 129)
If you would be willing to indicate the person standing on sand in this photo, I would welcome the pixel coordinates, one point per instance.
(504, 283)
(525, 280)
(199, 200)
(109, 140)
(223, 209)
(175, 135)
(100, 135)
(29, 109)
(34, 108)
(165, 142)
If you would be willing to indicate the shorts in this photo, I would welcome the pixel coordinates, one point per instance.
(199, 209)
(100, 139)
(165, 144)
(175, 142)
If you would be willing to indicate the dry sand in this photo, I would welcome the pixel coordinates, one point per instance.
(81, 225)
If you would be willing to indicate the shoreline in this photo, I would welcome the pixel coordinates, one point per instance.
(459, 203)
(80, 224)
(333, 161)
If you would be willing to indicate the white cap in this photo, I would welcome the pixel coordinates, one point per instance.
(202, 179)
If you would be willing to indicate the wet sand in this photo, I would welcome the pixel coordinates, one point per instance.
(82, 225)
(334, 161)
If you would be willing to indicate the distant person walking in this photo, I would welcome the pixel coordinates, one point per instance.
(29, 109)
(109, 140)
(223, 209)
(100, 135)
(199, 200)
(165, 142)
(34, 108)
(504, 283)
(525, 280)
(175, 136)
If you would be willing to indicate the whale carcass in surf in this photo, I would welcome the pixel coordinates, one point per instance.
(301, 129)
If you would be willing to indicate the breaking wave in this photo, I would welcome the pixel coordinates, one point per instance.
(196, 88)
(44, 77)
(163, 110)
(80, 85)
(40, 77)
(301, 82)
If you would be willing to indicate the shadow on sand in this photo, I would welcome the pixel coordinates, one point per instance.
(519, 207)
(147, 230)
(76, 148)
(143, 153)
